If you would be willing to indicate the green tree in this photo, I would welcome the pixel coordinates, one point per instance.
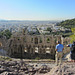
(48, 40)
(49, 29)
(72, 36)
(6, 33)
(67, 23)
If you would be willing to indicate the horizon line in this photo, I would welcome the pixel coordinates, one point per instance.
(36, 20)
(28, 20)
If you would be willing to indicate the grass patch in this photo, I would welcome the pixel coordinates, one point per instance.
(5, 58)
(37, 58)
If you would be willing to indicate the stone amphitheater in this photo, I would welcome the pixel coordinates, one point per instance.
(26, 46)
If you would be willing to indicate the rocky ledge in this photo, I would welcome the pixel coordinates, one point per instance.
(65, 69)
(21, 68)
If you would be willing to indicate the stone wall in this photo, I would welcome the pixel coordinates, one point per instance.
(32, 46)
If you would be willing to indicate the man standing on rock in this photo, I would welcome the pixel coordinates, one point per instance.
(59, 52)
(72, 51)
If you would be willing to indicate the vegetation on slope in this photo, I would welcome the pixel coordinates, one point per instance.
(72, 36)
(67, 23)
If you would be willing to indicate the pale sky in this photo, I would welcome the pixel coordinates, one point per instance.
(37, 9)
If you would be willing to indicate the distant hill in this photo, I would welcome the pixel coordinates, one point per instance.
(26, 22)
(67, 23)
(52, 21)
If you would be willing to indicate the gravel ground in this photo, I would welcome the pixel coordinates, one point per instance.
(23, 68)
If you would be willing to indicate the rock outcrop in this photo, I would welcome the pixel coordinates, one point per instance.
(65, 69)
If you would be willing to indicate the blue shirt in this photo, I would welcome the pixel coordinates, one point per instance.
(59, 47)
(70, 45)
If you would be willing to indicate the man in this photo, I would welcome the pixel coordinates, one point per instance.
(59, 52)
(72, 51)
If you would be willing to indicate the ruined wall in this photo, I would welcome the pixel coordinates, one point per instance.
(33, 45)
(44, 43)
(3, 43)
(24, 45)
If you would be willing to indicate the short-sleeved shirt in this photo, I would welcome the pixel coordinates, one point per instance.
(59, 47)
(70, 45)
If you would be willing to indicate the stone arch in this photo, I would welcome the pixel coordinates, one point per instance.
(36, 49)
(0, 44)
(48, 50)
(40, 40)
(36, 40)
(31, 40)
(48, 40)
(25, 49)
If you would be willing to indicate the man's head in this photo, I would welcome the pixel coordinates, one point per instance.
(58, 42)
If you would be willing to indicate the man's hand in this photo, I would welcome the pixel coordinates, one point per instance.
(67, 45)
(56, 49)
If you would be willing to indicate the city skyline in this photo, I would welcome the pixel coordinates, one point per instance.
(37, 9)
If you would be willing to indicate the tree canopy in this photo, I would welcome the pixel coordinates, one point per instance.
(49, 29)
(6, 33)
(67, 23)
(73, 36)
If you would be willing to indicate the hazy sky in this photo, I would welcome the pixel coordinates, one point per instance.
(37, 9)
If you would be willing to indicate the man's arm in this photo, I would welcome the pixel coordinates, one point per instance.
(68, 45)
(56, 48)
(63, 49)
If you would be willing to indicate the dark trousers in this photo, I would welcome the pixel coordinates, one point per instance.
(72, 56)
